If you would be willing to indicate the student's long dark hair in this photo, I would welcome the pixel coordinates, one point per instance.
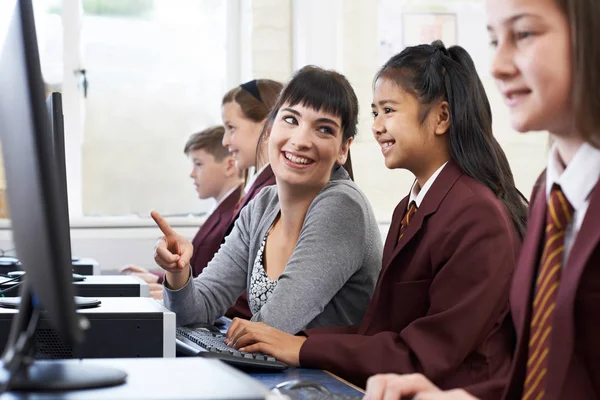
(433, 73)
(323, 90)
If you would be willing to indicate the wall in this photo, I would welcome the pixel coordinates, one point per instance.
(345, 35)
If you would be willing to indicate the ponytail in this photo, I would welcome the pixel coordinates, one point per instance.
(433, 73)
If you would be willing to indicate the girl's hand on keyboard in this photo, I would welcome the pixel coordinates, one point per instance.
(257, 337)
(393, 386)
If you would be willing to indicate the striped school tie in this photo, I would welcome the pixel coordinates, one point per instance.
(412, 209)
(558, 217)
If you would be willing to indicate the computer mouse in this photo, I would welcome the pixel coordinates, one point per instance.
(78, 278)
(297, 385)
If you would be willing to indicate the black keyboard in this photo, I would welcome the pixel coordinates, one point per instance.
(204, 343)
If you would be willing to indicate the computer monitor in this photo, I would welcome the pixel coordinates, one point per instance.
(57, 129)
(39, 220)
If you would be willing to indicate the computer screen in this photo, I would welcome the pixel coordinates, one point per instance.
(38, 219)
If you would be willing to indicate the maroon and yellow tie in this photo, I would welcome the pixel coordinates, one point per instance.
(558, 217)
(412, 209)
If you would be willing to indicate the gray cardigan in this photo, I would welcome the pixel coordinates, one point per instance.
(328, 281)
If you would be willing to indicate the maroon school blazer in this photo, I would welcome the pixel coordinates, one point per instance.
(266, 178)
(441, 303)
(574, 359)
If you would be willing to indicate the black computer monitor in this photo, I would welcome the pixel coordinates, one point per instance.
(57, 129)
(39, 220)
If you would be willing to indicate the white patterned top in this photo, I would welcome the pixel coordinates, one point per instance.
(261, 286)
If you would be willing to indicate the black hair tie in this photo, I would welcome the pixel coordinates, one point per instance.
(439, 47)
(252, 88)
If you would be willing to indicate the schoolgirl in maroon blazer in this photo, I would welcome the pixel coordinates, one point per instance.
(546, 67)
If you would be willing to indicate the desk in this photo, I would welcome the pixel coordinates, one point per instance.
(163, 379)
(332, 382)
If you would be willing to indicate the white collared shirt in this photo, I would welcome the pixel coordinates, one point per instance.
(576, 182)
(218, 203)
(253, 179)
(417, 195)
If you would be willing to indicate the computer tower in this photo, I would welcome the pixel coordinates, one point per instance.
(119, 327)
(85, 266)
(94, 286)
(82, 266)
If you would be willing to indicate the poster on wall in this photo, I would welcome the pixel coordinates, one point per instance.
(405, 23)
(424, 27)
(401, 26)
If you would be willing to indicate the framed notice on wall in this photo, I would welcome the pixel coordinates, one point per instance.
(425, 27)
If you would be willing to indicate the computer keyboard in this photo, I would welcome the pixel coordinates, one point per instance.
(204, 343)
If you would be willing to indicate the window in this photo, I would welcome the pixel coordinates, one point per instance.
(156, 72)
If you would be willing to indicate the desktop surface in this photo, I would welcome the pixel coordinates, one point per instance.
(271, 379)
(164, 379)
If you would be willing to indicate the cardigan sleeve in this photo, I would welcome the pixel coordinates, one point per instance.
(205, 298)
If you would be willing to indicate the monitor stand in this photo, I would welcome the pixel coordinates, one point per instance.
(19, 371)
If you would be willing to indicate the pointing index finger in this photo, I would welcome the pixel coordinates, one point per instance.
(162, 223)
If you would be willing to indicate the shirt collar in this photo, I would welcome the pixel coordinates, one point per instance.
(417, 195)
(254, 177)
(579, 178)
(218, 203)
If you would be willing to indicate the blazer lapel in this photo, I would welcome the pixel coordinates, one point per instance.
(392, 238)
(431, 202)
(562, 340)
(223, 211)
(522, 285)
(209, 224)
(264, 179)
